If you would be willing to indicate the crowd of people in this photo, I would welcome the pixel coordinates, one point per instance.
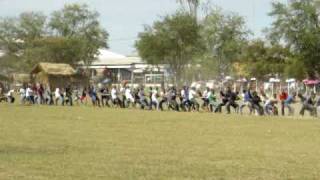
(186, 99)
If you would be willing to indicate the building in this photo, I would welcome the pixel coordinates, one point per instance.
(119, 68)
(57, 76)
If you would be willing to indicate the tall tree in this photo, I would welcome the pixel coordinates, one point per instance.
(262, 60)
(32, 25)
(18, 34)
(297, 26)
(224, 36)
(78, 21)
(191, 5)
(71, 35)
(175, 41)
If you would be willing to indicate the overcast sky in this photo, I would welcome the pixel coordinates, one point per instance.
(123, 19)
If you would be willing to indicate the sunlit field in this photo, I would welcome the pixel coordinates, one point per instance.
(63, 143)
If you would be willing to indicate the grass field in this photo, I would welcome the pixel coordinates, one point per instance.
(62, 143)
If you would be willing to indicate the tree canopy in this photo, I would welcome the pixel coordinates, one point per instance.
(296, 25)
(70, 35)
(175, 41)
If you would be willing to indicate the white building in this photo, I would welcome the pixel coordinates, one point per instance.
(121, 68)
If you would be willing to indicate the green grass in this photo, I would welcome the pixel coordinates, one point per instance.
(62, 143)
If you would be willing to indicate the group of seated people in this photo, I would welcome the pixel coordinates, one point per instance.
(186, 99)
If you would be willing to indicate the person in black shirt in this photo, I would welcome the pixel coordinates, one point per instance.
(232, 98)
(255, 103)
(69, 99)
(105, 97)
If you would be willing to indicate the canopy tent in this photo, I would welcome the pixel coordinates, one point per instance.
(291, 84)
(311, 83)
(273, 82)
(256, 82)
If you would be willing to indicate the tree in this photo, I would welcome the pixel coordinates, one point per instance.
(79, 22)
(72, 35)
(224, 36)
(192, 6)
(262, 61)
(174, 41)
(32, 26)
(297, 26)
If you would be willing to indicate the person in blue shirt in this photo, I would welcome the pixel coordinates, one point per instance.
(287, 103)
(246, 98)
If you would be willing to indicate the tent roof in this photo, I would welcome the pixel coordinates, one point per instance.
(311, 82)
(54, 69)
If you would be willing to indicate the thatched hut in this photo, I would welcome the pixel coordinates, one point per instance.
(57, 75)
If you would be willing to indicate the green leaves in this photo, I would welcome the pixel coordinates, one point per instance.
(297, 25)
(70, 35)
(175, 41)
(224, 36)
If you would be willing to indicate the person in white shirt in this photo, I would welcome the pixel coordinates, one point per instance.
(129, 97)
(114, 97)
(192, 99)
(29, 95)
(154, 98)
(205, 98)
(10, 96)
(57, 96)
(22, 93)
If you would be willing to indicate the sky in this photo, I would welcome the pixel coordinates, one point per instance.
(124, 19)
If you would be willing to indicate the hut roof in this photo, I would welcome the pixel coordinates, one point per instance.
(54, 69)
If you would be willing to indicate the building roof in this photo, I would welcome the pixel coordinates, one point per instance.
(54, 69)
(109, 58)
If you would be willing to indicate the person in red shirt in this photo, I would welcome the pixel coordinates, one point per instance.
(283, 96)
